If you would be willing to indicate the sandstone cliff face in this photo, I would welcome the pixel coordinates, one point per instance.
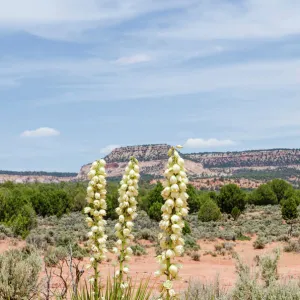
(152, 161)
(141, 153)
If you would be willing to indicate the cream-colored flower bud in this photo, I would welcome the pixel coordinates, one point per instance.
(87, 210)
(118, 226)
(173, 270)
(179, 250)
(174, 188)
(176, 169)
(97, 203)
(170, 253)
(170, 203)
(176, 228)
(173, 179)
(175, 219)
(126, 232)
(129, 251)
(179, 202)
(102, 162)
(184, 212)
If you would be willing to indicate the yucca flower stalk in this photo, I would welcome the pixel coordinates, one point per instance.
(127, 213)
(96, 211)
(174, 210)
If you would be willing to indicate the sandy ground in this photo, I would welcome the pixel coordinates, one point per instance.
(206, 270)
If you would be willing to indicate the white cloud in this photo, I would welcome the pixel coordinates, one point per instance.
(139, 58)
(108, 149)
(40, 132)
(209, 143)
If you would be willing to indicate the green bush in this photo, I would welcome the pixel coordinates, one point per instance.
(231, 196)
(209, 211)
(24, 221)
(263, 195)
(289, 209)
(186, 229)
(155, 211)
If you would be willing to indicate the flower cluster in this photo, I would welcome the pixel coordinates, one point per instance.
(96, 210)
(174, 210)
(127, 213)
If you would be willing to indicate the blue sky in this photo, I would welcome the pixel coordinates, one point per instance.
(79, 77)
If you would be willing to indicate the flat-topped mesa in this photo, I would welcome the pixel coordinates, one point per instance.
(250, 158)
(140, 152)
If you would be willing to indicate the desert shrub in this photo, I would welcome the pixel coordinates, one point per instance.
(292, 246)
(38, 240)
(259, 243)
(191, 243)
(146, 234)
(19, 273)
(6, 231)
(268, 265)
(138, 250)
(197, 290)
(195, 256)
(235, 213)
(283, 238)
(209, 211)
(218, 247)
(55, 254)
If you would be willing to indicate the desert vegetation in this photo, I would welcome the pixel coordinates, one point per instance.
(133, 219)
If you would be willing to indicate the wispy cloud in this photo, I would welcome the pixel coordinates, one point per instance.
(209, 143)
(109, 148)
(40, 132)
(134, 59)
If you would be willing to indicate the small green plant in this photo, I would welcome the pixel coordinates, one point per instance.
(235, 213)
(138, 250)
(114, 291)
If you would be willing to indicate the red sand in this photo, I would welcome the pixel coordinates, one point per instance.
(205, 270)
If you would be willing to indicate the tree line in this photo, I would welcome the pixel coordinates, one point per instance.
(20, 204)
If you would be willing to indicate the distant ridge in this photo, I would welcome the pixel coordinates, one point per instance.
(38, 173)
(255, 166)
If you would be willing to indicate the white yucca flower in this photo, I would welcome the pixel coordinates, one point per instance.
(96, 210)
(174, 210)
(127, 213)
